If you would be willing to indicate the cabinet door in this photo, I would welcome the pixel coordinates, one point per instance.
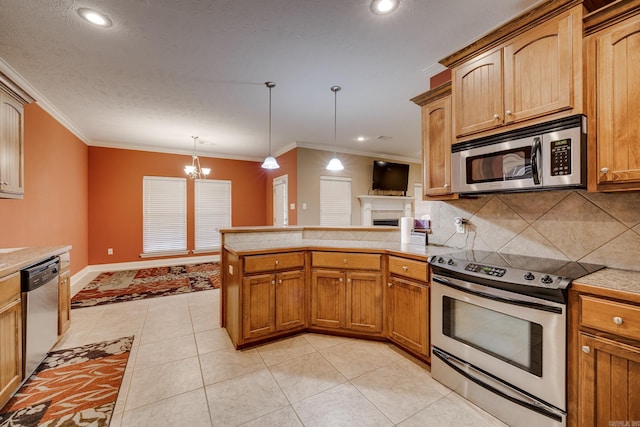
(618, 103)
(258, 305)
(364, 303)
(477, 90)
(11, 146)
(408, 314)
(609, 381)
(10, 337)
(327, 298)
(538, 77)
(64, 302)
(290, 300)
(436, 147)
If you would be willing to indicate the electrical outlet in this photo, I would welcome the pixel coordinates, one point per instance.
(460, 224)
(109, 251)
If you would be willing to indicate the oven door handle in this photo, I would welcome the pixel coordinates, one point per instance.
(452, 283)
(492, 384)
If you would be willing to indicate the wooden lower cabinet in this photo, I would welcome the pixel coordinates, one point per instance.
(609, 382)
(409, 314)
(350, 300)
(272, 303)
(64, 302)
(10, 336)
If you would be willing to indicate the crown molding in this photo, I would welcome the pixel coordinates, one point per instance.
(43, 102)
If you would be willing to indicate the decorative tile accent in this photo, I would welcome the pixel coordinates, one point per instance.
(578, 227)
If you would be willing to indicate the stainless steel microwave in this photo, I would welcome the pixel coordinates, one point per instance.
(547, 156)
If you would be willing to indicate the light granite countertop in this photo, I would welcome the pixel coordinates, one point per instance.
(620, 283)
(12, 260)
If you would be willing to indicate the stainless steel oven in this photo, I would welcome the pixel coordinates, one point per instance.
(499, 333)
(545, 156)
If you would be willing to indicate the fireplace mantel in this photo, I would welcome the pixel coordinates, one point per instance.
(372, 204)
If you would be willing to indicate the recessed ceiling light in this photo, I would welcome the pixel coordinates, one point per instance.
(95, 17)
(361, 138)
(382, 7)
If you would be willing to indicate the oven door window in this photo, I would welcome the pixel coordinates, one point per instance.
(511, 339)
(507, 165)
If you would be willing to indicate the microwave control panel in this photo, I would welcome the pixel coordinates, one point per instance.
(561, 157)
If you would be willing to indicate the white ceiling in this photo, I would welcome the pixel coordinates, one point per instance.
(170, 69)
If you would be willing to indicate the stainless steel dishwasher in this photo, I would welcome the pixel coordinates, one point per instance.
(39, 284)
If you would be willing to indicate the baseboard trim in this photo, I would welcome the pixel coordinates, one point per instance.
(84, 276)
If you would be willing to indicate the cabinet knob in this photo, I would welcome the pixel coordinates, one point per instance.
(496, 116)
(280, 281)
(508, 112)
(586, 349)
(618, 320)
(340, 280)
(277, 262)
(273, 282)
(389, 284)
(344, 260)
(604, 170)
(446, 185)
(348, 280)
(405, 268)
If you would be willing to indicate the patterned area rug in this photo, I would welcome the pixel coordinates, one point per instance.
(74, 387)
(133, 285)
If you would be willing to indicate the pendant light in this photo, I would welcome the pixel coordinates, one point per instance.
(194, 170)
(335, 164)
(270, 162)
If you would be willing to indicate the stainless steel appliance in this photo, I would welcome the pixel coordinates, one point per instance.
(39, 283)
(498, 328)
(540, 157)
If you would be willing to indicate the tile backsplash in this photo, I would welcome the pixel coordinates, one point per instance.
(602, 228)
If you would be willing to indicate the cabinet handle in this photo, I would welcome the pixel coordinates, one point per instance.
(344, 260)
(617, 320)
(389, 284)
(348, 280)
(340, 280)
(604, 170)
(405, 268)
(277, 262)
(280, 281)
(586, 349)
(496, 116)
(508, 112)
(273, 282)
(446, 185)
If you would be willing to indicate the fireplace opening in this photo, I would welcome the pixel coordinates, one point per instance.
(386, 222)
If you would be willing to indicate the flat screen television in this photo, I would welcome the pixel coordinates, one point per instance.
(389, 176)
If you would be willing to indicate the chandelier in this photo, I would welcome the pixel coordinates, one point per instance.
(194, 170)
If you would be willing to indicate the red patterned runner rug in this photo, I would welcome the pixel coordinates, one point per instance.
(73, 387)
(130, 285)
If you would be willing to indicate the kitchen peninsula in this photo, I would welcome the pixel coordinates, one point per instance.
(352, 281)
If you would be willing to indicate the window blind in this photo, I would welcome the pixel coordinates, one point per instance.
(212, 212)
(164, 215)
(335, 201)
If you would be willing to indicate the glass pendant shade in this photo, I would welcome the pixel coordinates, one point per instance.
(194, 170)
(335, 165)
(270, 162)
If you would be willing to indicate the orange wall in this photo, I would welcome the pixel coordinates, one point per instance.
(115, 197)
(288, 166)
(54, 209)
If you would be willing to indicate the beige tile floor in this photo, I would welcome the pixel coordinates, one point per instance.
(183, 371)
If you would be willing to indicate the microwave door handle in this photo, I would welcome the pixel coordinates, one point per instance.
(536, 154)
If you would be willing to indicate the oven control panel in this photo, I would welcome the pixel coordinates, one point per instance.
(486, 269)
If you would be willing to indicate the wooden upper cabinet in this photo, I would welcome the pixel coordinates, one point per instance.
(538, 77)
(615, 61)
(530, 69)
(478, 99)
(11, 147)
(436, 148)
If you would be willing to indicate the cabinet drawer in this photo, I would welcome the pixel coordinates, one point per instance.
(283, 261)
(9, 289)
(346, 260)
(610, 316)
(409, 268)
